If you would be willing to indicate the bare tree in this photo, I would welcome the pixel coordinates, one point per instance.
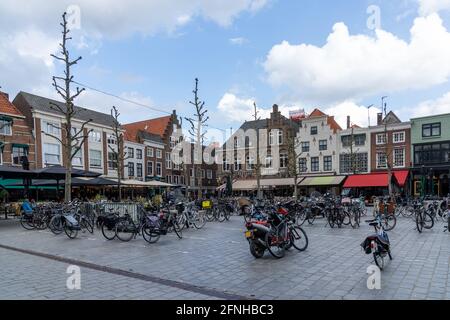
(258, 160)
(198, 134)
(119, 154)
(293, 169)
(71, 139)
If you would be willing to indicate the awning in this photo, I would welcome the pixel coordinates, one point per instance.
(18, 145)
(401, 177)
(265, 183)
(322, 181)
(367, 180)
(138, 183)
(376, 180)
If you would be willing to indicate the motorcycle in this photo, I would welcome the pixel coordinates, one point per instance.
(276, 234)
(378, 244)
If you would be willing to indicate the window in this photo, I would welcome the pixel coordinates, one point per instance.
(130, 169)
(399, 158)
(323, 145)
(250, 163)
(236, 142)
(431, 130)
(280, 137)
(169, 179)
(203, 173)
(172, 141)
(354, 163)
(269, 162)
(305, 146)
(315, 164)
(328, 163)
(52, 128)
(237, 164)
(271, 138)
(112, 161)
(283, 160)
(139, 154)
(150, 168)
(168, 161)
(139, 170)
(112, 139)
(431, 154)
(159, 169)
(381, 138)
(5, 127)
(130, 153)
(95, 136)
(191, 172)
(302, 164)
(398, 137)
(381, 160)
(360, 139)
(209, 174)
(159, 153)
(150, 152)
(95, 158)
(176, 180)
(19, 154)
(52, 153)
(314, 130)
(226, 165)
(77, 159)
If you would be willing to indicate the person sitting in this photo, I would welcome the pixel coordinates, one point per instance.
(26, 207)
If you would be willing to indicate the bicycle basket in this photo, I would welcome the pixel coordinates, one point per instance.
(207, 204)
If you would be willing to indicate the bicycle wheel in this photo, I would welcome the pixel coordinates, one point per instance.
(275, 248)
(198, 220)
(70, 231)
(210, 216)
(301, 218)
(55, 225)
(125, 230)
(299, 239)
(331, 220)
(428, 221)
(150, 233)
(419, 222)
(311, 218)
(227, 215)
(109, 230)
(220, 216)
(389, 222)
(379, 260)
(26, 222)
(346, 218)
(177, 229)
(39, 222)
(181, 219)
(86, 224)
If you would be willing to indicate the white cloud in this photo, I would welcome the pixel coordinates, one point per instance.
(238, 41)
(236, 109)
(427, 7)
(357, 66)
(440, 105)
(359, 115)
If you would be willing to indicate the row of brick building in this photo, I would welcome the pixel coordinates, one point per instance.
(30, 130)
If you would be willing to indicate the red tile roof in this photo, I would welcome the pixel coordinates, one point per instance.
(156, 126)
(330, 119)
(6, 107)
(317, 113)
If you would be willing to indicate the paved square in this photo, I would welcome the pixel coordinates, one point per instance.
(215, 263)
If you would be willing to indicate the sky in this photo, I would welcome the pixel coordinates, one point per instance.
(340, 56)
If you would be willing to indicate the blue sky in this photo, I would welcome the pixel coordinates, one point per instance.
(137, 51)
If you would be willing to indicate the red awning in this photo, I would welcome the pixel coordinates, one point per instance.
(367, 180)
(401, 177)
(375, 180)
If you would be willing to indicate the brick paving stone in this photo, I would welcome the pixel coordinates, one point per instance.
(333, 267)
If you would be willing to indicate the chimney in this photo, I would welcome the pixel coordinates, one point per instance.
(379, 119)
(348, 122)
(275, 108)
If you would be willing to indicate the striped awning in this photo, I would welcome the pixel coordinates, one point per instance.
(322, 181)
(265, 183)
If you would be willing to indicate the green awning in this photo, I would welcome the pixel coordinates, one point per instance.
(17, 145)
(322, 181)
(16, 184)
(6, 118)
